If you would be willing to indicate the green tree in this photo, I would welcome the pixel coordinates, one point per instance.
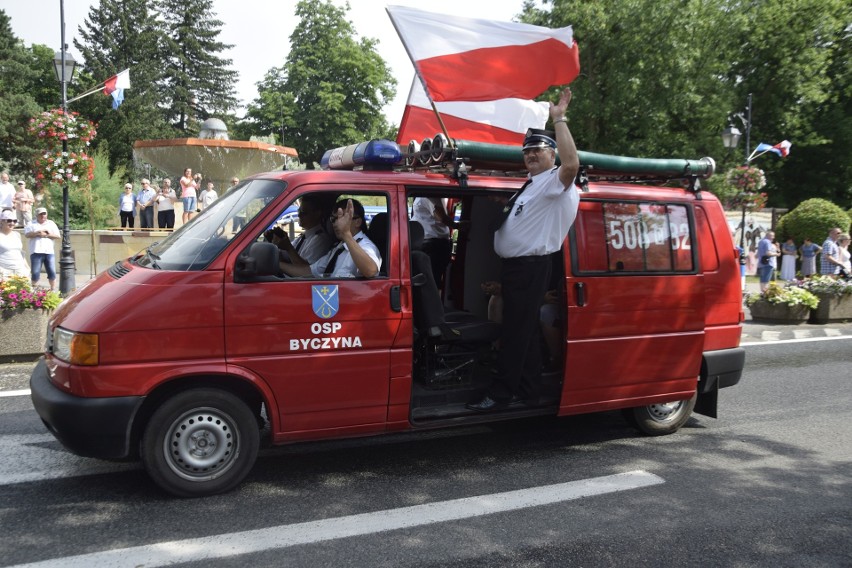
(118, 35)
(17, 103)
(649, 74)
(198, 82)
(330, 90)
(794, 58)
(661, 78)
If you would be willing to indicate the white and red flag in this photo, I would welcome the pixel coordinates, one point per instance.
(115, 86)
(503, 121)
(469, 59)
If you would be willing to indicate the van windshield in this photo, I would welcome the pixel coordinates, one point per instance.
(194, 245)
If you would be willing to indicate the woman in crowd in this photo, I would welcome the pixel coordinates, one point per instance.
(788, 260)
(11, 247)
(844, 271)
(127, 207)
(189, 195)
(809, 251)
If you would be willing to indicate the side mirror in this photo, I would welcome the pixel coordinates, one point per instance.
(261, 259)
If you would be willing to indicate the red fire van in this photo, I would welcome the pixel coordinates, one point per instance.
(191, 352)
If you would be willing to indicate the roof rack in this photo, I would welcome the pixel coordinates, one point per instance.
(463, 155)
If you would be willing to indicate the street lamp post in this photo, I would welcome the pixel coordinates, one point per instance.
(64, 64)
(730, 138)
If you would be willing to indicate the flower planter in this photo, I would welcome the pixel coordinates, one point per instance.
(832, 308)
(23, 333)
(779, 313)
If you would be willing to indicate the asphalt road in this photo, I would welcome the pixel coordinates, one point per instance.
(769, 483)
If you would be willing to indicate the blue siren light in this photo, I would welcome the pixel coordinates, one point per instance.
(371, 155)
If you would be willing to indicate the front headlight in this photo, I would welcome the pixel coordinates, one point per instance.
(75, 348)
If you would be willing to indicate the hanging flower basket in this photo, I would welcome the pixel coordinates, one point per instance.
(53, 126)
(746, 178)
(51, 129)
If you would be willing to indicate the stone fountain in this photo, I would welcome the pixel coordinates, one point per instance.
(213, 154)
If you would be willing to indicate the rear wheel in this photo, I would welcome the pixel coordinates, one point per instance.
(200, 442)
(662, 418)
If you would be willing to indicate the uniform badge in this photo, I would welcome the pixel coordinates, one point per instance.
(326, 302)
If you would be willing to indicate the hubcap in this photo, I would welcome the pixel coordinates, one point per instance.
(666, 411)
(201, 444)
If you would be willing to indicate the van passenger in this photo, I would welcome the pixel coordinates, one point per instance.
(354, 255)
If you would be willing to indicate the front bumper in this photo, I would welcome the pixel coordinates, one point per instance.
(90, 427)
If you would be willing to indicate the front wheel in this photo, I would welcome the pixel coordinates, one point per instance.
(662, 418)
(200, 442)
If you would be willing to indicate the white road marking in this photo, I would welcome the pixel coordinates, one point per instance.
(782, 341)
(770, 335)
(802, 333)
(283, 536)
(21, 392)
(23, 460)
(830, 331)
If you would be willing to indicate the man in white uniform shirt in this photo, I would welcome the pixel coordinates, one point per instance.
(537, 220)
(41, 233)
(354, 255)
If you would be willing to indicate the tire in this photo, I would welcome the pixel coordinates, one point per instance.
(662, 418)
(200, 442)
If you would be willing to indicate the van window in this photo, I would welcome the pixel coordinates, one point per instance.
(316, 241)
(631, 237)
(194, 245)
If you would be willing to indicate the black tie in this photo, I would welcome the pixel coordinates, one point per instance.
(511, 204)
(300, 243)
(333, 261)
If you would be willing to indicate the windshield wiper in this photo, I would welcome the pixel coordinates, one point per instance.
(154, 257)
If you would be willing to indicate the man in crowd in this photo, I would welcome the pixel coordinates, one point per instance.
(830, 257)
(41, 233)
(23, 202)
(549, 200)
(145, 199)
(7, 192)
(767, 259)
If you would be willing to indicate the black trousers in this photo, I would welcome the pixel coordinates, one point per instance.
(166, 219)
(439, 251)
(146, 218)
(127, 219)
(524, 281)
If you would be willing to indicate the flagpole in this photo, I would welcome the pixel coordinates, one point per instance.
(84, 95)
(422, 82)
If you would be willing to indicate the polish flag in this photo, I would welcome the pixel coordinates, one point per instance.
(468, 59)
(783, 148)
(503, 121)
(120, 81)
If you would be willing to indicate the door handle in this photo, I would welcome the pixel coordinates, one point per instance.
(395, 303)
(580, 292)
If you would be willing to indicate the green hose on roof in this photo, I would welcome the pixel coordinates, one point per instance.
(498, 156)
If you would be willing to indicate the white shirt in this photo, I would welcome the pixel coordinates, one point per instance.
(540, 218)
(126, 201)
(207, 197)
(345, 266)
(423, 211)
(164, 202)
(41, 245)
(313, 244)
(11, 255)
(7, 193)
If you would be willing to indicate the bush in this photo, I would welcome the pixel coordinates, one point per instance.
(812, 219)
